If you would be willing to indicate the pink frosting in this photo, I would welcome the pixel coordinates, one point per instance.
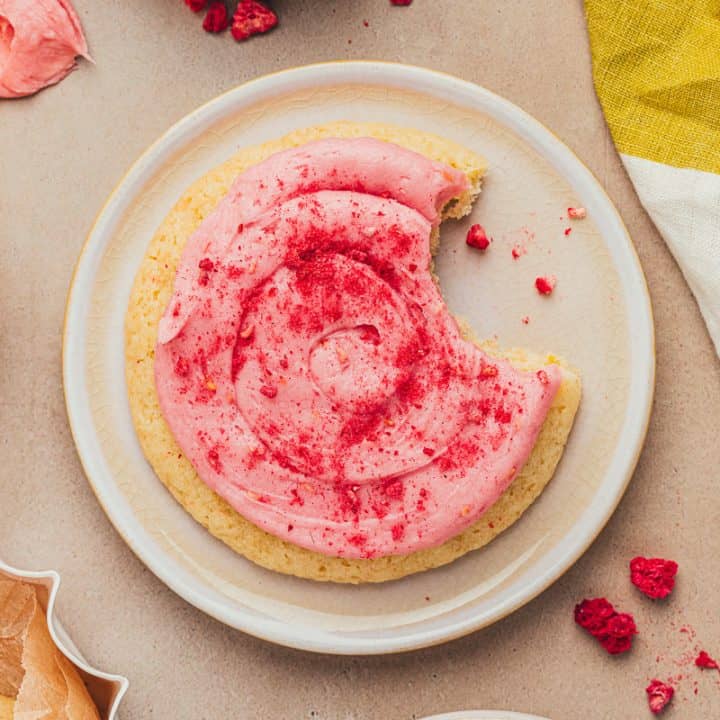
(311, 372)
(362, 165)
(39, 41)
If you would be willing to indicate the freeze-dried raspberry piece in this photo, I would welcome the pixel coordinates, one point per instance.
(616, 645)
(401, 2)
(215, 21)
(251, 18)
(477, 237)
(577, 213)
(196, 5)
(704, 661)
(545, 285)
(592, 615)
(653, 576)
(659, 695)
(613, 630)
(618, 633)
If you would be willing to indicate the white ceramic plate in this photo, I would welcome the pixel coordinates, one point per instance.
(599, 318)
(483, 715)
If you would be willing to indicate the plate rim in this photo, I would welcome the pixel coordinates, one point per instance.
(537, 136)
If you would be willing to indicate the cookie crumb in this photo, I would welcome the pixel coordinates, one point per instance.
(577, 213)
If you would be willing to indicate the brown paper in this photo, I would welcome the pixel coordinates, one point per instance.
(17, 603)
(78, 703)
(44, 683)
(6, 708)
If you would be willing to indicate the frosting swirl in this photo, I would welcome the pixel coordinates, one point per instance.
(309, 369)
(39, 41)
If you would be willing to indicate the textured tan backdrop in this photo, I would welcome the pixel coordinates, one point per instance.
(63, 151)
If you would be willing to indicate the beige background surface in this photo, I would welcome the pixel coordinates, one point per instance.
(63, 151)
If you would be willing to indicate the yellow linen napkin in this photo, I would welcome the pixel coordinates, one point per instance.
(656, 66)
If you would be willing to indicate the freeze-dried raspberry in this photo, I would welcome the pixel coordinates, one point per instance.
(545, 285)
(216, 19)
(618, 633)
(196, 5)
(252, 18)
(592, 615)
(659, 695)
(477, 237)
(653, 576)
(401, 2)
(613, 630)
(616, 645)
(704, 661)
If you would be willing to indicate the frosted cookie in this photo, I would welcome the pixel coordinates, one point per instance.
(296, 380)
